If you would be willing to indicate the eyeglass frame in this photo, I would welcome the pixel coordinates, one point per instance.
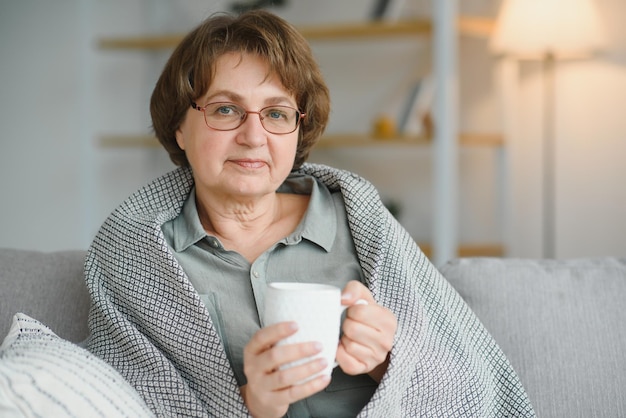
(299, 115)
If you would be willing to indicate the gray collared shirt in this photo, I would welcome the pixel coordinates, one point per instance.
(320, 249)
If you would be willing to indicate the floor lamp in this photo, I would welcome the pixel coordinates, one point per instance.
(547, 30)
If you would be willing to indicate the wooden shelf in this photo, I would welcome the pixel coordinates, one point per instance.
(366, 30)
(467, 26)
(351, 140)
(470, 250)
(328, 141)
(129, 141)
(478, 27)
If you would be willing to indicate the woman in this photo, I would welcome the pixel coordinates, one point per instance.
(178, 272)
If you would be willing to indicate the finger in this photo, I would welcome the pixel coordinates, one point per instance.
(298, 382)
(349, 364)
(367, 319)
(285, 354)
(374, 316)
(269, 336)
(296, 393)
(364, 341)
(368, 354)
(255, 353)
(297, 374)
(355, 290)
(361, 332)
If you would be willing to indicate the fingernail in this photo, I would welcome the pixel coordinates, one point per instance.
(293, 326)
(318, 346)
(346, 296)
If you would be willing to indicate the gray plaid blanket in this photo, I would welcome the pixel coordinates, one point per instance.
(150, 324)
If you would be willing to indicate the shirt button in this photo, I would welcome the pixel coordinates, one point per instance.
(256, 274)
(214, 243)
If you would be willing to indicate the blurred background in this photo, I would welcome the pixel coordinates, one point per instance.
(76, 127)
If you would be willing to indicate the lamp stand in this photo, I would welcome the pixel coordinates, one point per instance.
(549, 160)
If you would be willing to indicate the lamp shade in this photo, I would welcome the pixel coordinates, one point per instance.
(535, 28)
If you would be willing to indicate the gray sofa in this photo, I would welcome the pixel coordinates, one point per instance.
(562, 324)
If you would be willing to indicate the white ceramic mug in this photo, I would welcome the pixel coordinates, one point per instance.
(316, 308)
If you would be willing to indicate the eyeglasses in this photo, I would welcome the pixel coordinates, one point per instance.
(226, 116)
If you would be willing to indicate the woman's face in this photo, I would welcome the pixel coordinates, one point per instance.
(247, 162)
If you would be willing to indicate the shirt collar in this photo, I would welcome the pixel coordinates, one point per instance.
(186, 227)
(319, 224)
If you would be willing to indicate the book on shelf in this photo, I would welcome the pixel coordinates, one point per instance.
(414, 116)
(387, 10)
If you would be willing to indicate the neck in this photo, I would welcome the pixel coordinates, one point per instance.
(251, 229)
(230, 218)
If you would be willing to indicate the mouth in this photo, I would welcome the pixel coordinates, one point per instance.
(249, 163)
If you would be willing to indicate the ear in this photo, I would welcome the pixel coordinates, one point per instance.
(180, 140)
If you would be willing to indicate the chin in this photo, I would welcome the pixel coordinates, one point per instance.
(246, 189)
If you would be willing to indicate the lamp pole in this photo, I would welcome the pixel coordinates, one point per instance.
(549, 157)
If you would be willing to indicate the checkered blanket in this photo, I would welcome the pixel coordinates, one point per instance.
(149, 322)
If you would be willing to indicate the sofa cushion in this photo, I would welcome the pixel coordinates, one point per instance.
(562, 325)
(48, 286)
(43, 375)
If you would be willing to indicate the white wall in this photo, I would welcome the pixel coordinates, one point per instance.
(41, 106)
(59, 94)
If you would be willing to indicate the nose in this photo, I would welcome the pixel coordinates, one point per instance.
(251, 132)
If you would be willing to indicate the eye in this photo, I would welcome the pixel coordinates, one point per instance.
(224, 110)
(276, 114)
(227, 110)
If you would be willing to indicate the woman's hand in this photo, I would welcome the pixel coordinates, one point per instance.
(368, 333)
(269, 390)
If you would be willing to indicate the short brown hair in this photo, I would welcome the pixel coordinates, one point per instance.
(190, 70)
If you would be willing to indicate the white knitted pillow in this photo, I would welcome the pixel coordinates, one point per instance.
(44, 375)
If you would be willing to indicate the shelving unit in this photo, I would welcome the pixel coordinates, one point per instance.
(465, 26)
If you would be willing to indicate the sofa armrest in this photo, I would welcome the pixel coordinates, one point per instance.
(46, 286)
